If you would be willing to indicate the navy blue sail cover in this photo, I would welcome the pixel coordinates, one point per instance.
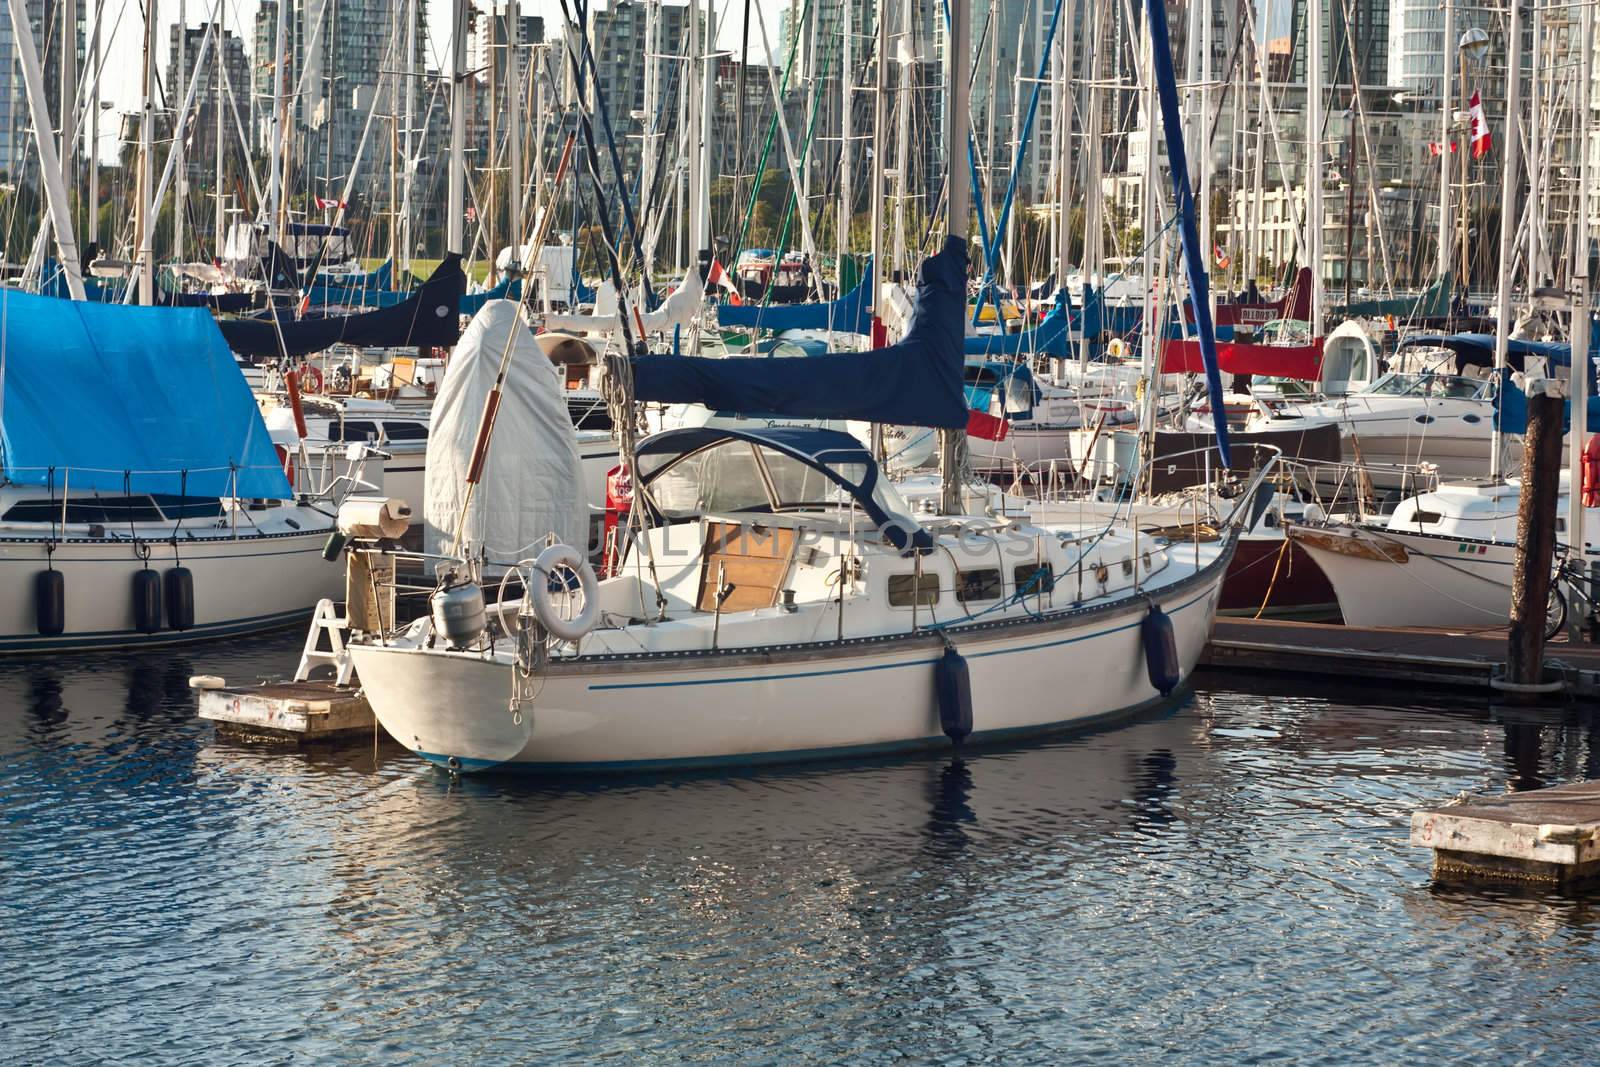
(848, 314)
(917, 382)
(123, 398)
(428, 317)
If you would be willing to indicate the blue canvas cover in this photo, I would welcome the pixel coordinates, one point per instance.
(1049, 338)
(1511, 409)
(917, 382)
(128, 398)
(848, 314)
(508, 289)
(1477, 349)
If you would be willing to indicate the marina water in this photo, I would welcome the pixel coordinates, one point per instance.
(1227, 880)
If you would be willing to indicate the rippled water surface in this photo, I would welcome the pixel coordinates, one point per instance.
(1228, 881)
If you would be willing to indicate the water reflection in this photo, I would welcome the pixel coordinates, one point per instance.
(1177, 886)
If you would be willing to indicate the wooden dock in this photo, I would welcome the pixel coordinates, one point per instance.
(1468, 659)
(1549, 836)
(289, 711)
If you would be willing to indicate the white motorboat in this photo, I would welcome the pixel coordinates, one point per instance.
(1441, 559)
(785, 606)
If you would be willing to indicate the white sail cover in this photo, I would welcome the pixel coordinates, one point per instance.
(678, 309)
(532, 482)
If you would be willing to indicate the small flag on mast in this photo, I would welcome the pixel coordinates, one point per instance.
(719, 277)
(1481, 141)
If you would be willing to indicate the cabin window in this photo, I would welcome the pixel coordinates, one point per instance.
(1033, 579)
(978, 585)
(353, 430)
(108, 509)
(1425, 518)
(908, 589)
(405, 431)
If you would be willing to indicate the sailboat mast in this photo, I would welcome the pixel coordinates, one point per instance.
(49, 163)
(68, 94)
(1581, 363)
(146, 224)
(958, 208)
(880, 116)
(280, 50)
(1314, 75)
(456, 199)
(407, 149)
(1508, 216)
(92, 150)
(220, 217)
(1446, 113)
(181, 197)
(846, 99)
(513, 80)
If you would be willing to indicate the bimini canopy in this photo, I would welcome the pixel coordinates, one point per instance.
(117, 399)
(914, 383)
(690, 472)
(1477, 349)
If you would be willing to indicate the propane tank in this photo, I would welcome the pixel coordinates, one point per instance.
(458, 611)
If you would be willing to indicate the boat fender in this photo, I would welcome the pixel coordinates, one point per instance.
(178, 585)
(146, 601)
(953, 686)
(544, 607)
(50, 603)
(334, 545)
(1161, 650)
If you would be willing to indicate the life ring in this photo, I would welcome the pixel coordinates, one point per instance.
(310, 379)
(544, 607)
(1117, 348)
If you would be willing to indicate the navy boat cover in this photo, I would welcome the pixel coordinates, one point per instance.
(917, 382)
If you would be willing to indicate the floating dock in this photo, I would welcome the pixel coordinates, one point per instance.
(1549, 836)
(289, 711)
(1467, 659)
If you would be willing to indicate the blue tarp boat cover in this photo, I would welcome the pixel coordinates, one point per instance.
(1511, 408)
(1477, 349)
(848, 314)
(917, 382)
(117, 398)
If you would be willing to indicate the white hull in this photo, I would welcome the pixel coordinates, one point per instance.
(758, 705)
(240, 586)
(1395, 578)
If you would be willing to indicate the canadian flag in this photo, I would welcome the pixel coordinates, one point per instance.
(1439, 149)
(1481, 141)
(1220, 254)
(719, 277)
(324, 204)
